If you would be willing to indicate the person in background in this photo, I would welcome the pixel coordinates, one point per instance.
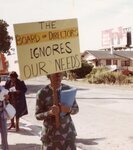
(17, 90)
(4, 97)
(63, 137)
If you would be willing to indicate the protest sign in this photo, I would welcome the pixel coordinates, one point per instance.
(47, 47)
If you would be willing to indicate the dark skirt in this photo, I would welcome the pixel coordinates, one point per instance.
(19, 102)
(21, 107)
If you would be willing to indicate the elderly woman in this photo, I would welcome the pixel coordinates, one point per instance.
(17, 90)
(53, 137)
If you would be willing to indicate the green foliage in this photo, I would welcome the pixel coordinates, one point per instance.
(5, 39)
(102, 75)
(96, 71)
(85, 69)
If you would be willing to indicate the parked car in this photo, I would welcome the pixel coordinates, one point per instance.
(127, 72)
(4, 78)
(124, 71)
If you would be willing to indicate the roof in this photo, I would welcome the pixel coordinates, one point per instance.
(104, 55)
(126, 54)
(100, 54)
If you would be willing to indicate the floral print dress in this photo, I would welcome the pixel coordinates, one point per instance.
(62, 138)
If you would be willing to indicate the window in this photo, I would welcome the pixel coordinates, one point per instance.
(115, 62)
(108, 62)
(125, 63)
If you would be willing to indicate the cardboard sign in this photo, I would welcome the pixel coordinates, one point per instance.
(47, 47)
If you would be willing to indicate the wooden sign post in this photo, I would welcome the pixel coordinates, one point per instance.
(55, 96)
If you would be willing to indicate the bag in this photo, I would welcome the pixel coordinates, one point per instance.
(10, 110)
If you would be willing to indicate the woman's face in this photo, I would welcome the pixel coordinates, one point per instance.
(56, 79)
(13, 79)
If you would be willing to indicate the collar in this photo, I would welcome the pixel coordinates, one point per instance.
(57, 89)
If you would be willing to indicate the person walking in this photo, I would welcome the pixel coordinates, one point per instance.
(3, 117)
(53, 137)
(17, 90)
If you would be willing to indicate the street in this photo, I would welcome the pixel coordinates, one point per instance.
(105, 119)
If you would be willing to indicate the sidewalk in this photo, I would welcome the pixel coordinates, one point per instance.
(26, 139)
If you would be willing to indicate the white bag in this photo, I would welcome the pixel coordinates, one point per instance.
(10, 110)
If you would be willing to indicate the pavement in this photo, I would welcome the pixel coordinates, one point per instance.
(108, 125)
(28, 138)
(25, 139)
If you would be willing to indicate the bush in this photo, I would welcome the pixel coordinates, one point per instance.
(102, 75)
(85, 69)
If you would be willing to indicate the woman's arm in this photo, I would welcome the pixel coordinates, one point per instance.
(40, 111)
(23, 87)
(72, 110)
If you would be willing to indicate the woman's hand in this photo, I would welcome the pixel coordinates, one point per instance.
(65, 109)
(6, 97)
(54, 110)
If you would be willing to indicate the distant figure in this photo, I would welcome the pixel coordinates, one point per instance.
(3, 117)
(63, 137)
(17, 90)
(74, 76)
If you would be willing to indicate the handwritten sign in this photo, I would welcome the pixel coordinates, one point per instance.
(47, 47)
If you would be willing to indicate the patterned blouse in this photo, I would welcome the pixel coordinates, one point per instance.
(52, 136)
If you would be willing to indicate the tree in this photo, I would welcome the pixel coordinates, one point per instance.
(85, 69)
(5, 38)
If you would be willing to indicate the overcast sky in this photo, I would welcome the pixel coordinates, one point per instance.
(93, 15)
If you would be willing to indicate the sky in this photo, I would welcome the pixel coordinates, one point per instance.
(93, 16)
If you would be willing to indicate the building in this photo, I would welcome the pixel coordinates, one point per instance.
(111, 59)
(116, 51)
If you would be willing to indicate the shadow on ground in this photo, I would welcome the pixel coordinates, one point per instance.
(105, 98)
(23, 146)
(82, 89)
(33, 88)
(88, 144)
(89, 141)
(28, 130)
